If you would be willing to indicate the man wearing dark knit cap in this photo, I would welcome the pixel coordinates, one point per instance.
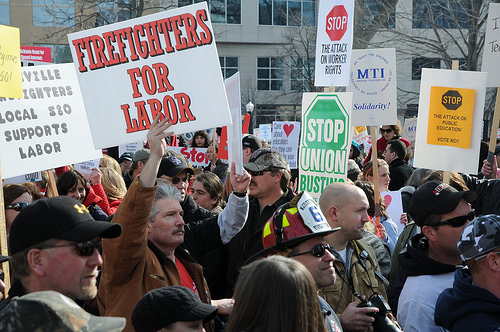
(173, 308)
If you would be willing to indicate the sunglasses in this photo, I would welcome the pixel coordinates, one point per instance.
(177, 179)
(385, 130)
(457, 221)
(316, 251)
(86, 248)
(18, 206)
(259, 173)
(482, 256)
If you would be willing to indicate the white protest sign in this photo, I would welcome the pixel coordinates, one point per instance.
(266, 132)
(410, 129)
(325, 145)
(256, 132)
(48, 127)
(130, 147)
(286, 140)
(162, 64)
(450, 115)
(85, 167)
(360, 134)
(30, 177)
(492, 46)
(373, 84)
(394, 207)
(334, 43)
(235, 153)
(196, 156)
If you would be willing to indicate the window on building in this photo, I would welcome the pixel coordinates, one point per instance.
(60, 53)
(53, 13)
(287, 12)
(373, 8)
(221, 11)
(269, 74)
(228, 65)
(4, 12)
(449, 14)
(418, 63)
(113, 11)
(301, 74)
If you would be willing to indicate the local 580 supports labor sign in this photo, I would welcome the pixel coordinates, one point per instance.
(163, 64)
(48, 126)
(325, 145)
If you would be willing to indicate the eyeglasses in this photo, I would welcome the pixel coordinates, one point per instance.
(176, 180)
(316, 251)
(484, 255)
(18, 206)
(259, 173)
(457, 221)
(385, 130)
(86, 248)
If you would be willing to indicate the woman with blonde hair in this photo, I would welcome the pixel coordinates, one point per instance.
(108, 183)
(107, 161)
(275, 294)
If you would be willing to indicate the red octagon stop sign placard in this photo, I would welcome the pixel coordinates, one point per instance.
(336, 23)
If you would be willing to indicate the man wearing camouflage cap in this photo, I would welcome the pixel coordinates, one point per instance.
(268, 190)
(473, 304)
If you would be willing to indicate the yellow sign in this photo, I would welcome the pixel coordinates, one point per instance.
(359, 129)
(450, 116)
(11, 84)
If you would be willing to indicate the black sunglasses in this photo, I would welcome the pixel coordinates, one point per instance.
(18, 206)
(259, 173)
(385, 130)
(86, 248)
(316, 251)
(457, 221)
(176, 180)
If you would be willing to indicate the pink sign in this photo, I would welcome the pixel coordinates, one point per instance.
(36, 53)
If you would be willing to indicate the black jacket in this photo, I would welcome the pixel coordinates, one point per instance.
(487, 191)
(249, 240)
(466, 307)
(400, 173)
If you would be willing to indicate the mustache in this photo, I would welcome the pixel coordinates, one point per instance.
(178, 230)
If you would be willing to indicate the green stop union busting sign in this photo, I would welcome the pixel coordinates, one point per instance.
(324, 143)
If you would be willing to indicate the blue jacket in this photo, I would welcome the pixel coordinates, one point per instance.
(466, 307)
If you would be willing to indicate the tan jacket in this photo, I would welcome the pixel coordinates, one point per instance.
(132, 266)
(339, 295)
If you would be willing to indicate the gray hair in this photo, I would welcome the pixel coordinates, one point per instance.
(164, 191)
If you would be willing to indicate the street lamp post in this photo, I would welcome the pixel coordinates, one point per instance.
(250, 108)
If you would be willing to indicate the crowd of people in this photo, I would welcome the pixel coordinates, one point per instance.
(147, 243)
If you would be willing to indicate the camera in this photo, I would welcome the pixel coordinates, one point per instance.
(382, 323)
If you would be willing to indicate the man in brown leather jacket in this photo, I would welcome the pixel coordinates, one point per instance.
(147, 255)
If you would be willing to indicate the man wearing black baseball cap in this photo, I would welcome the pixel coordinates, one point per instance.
(173, 308)
(177, 171)
(250, 144)
(431, 258)
(53, 246)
